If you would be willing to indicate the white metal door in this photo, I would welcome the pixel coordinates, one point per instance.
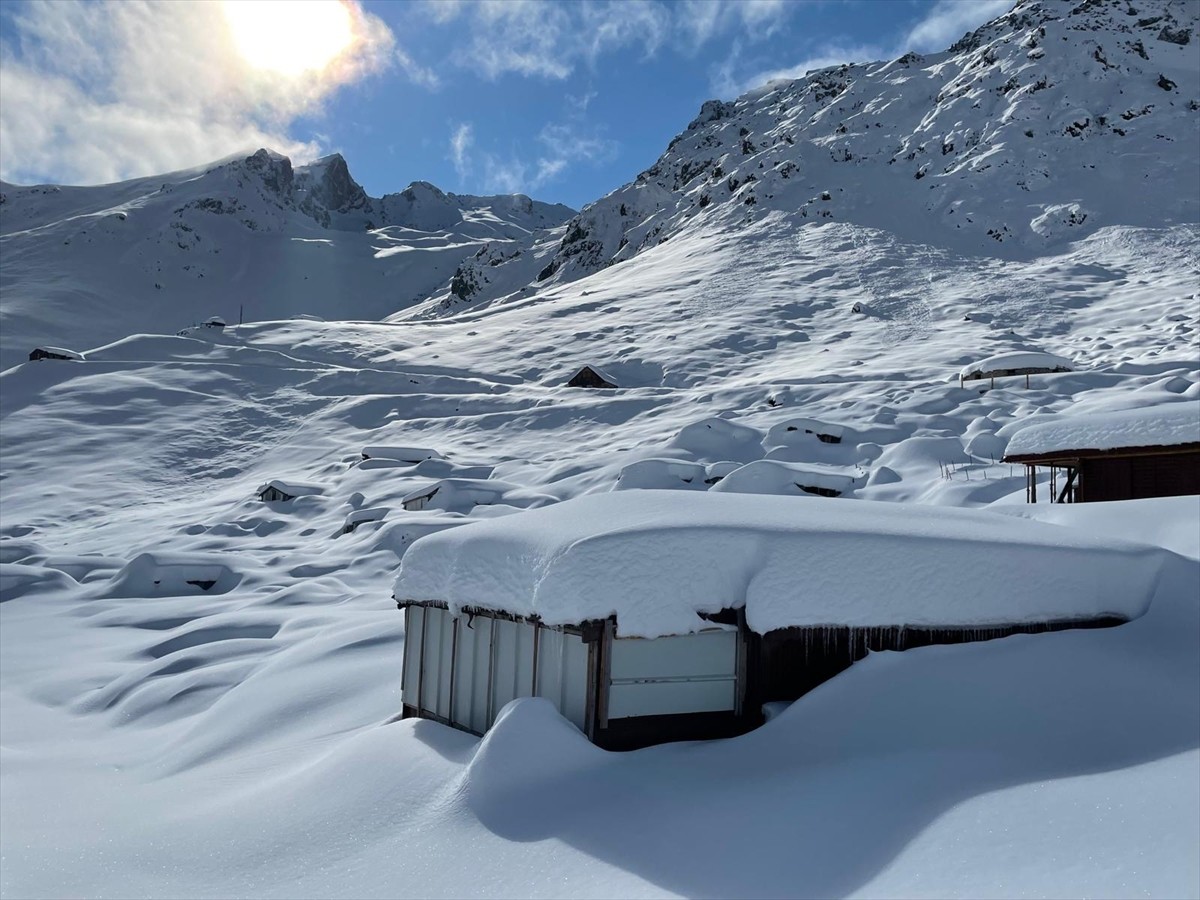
(679, 674)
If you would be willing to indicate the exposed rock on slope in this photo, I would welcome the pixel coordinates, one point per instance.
(1042, 126)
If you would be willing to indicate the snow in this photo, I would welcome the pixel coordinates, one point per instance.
(658, 559)
(166, 740)
(1165, 425)
(1027, 359)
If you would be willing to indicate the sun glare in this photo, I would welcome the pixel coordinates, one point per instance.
(289, 36)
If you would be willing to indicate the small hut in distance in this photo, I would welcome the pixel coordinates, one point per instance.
(1021, 362)
(54, 353)
(277, 490)
(592, 377)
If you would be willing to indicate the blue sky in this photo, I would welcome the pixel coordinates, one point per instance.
(563, 101)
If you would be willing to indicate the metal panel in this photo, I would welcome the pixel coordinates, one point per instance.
(411, 679)
(464, 675)
(562, 673)
(512, 668)
(435, 668)
(669, 675)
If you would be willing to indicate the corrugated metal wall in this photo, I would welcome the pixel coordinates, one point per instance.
(463, 671)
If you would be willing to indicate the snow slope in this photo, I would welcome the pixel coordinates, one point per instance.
(239, 739)
(248, 236)
(1042, 127)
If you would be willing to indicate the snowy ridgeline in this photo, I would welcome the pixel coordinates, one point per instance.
(657, 560)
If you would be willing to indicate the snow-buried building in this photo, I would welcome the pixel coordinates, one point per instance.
(1121, 455)
(652, 616)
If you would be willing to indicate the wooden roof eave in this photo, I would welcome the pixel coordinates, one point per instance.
(1073, 456)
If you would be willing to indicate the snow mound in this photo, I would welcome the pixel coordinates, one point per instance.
(658, 559)
(661, 474)
(1167, 425)
(173, 575)
(802, 430)
(715, 440)
(18, 580)
(770, 476)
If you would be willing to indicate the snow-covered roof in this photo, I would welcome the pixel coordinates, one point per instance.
(60, 351)
(1016, 363)
(790, 431)
(403, 454)
(772, 476)
(294, 488)
(657, 559)
(1167, 425)
(215, 321)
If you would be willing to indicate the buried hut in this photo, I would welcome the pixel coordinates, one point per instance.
(592, 377)
(653, 616)
(1122, 455)
(1008, 365)
(277, 490)
(54, 353)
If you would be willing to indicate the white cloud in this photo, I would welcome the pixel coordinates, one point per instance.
(96, 92)
(418, 74)
(460, 142)
(565, 144)
(946, 22)
(538, 39)
(949, 20)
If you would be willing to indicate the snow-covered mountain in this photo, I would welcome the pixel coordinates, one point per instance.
(1039, 128)
(198, 687)
(250, 236)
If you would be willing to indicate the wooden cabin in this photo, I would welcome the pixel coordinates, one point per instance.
(54, 353)
(723, 603)
(1122, 455)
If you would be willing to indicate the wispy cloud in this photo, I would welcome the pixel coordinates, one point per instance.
(945, 22)
(949, 20)
(537, 39)
(460, 143)
(561, 145)
(418, 74)
(103, 91)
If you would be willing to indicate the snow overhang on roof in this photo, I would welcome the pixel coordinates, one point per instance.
(657, 560)
(1175, 425)
(1023, 362)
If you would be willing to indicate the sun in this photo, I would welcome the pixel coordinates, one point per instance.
(289, 36)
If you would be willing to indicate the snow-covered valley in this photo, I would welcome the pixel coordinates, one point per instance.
(240, 736)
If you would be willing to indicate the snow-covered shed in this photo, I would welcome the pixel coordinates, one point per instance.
(277, 490)
(1018, 362)
(652, 616)
(54, 353)
(1119, 455)
(592, 377)
(214, 322)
